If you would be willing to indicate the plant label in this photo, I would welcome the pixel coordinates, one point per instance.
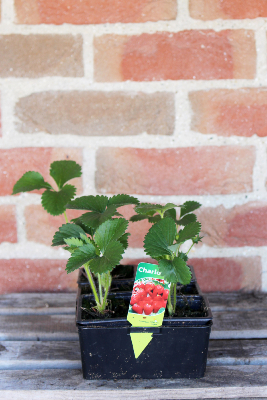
(148, 303)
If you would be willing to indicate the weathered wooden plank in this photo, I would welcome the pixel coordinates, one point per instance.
(236, 301)
(247, 376)
(20, 302)
(39, 355)
(66, 355)
(37, 300)
(152, 394)
(35, 327)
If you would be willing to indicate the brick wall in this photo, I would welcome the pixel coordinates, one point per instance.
(163, 99)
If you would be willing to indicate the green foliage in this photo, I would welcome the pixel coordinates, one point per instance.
(94, 219)
(63, 171)
(122, 200)
(109, 259)
(53, 201)
(124, 240)
(187, 219)
(188, 207)
(97, 239)
(189, 232)
(110, 230)
(31, 180)
(92, 203)
(175, 270)
(102, 252)
(159, 238)
(67, 231)
(101, 208)
(80, 256)
(164, 238)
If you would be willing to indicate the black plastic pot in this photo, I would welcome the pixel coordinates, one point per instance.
(178, 348)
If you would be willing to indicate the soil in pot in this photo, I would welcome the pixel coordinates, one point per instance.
(186, 307)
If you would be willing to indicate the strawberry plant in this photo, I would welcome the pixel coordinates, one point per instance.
(164, 240)
(97, 239)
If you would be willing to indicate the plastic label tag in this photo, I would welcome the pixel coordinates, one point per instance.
(148, 303)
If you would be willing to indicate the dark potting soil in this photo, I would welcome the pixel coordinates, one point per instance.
(117, 308)
(187, 307)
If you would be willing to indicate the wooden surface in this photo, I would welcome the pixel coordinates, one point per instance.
(40, 356)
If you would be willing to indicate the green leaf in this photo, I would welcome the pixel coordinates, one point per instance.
(64, 170)
(122, 200)
(148, 209)
(86, 228)
(174, 247)
(183, 256)
(91, 203)
(80, 257)
(187, 219)
(190, 231)
(31, 180)
(110, 258)
(55, 202)
(94, 219)
(67, 231)
(154, 219)
(175, 271)
(109, 231)
(138, 217)
(188, 207)
(85, 238)
(73, 242)
(171, 213)
(197, 239)
(159, 237)
(124, 240)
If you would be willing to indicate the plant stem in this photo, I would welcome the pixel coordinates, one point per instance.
(107, 291)
(91, 281)
(169, 304)
(190, 248)
(174, 297)
(66, 218)
(100, 289)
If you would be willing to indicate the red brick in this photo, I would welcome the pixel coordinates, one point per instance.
(178, 171)
(240, 112)
(235, 227)
(228, 274)
(35, 56)
(91, 113)
(189, 54)
(15, 162)
(41, 226)
(227, 9)
(0, 121)
(22, 275)
(8, 223)
(93, 11)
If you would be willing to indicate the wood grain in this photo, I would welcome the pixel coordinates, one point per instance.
(245, 376)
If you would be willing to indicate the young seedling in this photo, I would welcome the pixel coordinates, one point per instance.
(96, 240)
(164, 240)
